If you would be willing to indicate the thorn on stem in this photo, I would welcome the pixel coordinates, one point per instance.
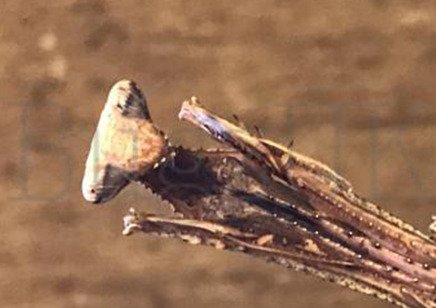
(131, 222)
(239, 122)
(259, 132)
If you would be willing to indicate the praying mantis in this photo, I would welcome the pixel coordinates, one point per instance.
(258, 197)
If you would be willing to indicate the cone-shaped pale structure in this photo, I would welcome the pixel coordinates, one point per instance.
(125, 145)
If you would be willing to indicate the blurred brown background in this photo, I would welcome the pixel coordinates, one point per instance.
(351, 81)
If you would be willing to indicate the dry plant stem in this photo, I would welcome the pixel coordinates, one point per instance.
(267, 201)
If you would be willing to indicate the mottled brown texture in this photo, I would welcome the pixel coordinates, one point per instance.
(352, 82)
(290, 209)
